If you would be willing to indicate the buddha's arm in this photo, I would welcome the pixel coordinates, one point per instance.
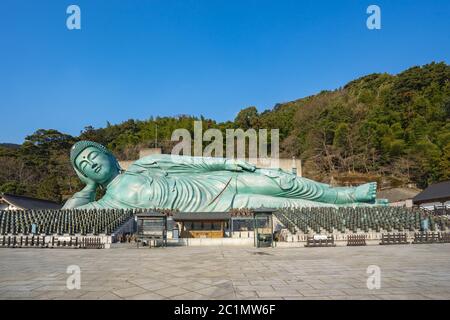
(81, 198)
(185, 164)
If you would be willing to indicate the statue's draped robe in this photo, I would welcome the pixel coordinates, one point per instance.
(203, 184)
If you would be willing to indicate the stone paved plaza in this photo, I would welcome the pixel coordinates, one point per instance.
(407, 272)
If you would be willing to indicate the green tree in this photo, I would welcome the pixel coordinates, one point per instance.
(247, 118)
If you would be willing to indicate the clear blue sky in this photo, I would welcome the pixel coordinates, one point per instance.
(136, 59)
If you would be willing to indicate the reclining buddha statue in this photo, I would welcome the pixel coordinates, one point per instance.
(198, 184)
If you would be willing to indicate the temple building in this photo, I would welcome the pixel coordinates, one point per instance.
(436, 198)
(15, 202)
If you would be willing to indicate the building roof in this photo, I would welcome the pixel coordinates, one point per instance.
(151, 214)
(28, 203)
(201, 216)
(397, 194)
(263, 210)
(438, 192)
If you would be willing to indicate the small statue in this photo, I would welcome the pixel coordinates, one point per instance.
(198, 184)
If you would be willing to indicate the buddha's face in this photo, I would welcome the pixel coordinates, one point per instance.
(96, 165)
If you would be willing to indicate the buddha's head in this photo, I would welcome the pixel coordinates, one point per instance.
(94, 162)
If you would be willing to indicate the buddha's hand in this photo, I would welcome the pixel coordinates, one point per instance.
(238, 165)
(91, 185)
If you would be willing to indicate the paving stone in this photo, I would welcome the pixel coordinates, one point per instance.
(20, 294)
(246, 294)
(154, 285)
(52, 288)
(193, 285)
(267, 282)
(214, 292)
(331, 286)
(317, 293)
(300, 286)
(110, 296)
(254, 288)
(305, 298)
(129, 292)
(189, 296)
(403, 297)
(279, 293)
(171, 291)
(362, 297)
(407, 272)
(94, 295)
(51, 295)
(227, 296)
(146, 296)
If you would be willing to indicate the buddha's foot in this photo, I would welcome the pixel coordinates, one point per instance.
(366, 192)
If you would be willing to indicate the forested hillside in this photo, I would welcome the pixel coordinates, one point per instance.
(393, 128)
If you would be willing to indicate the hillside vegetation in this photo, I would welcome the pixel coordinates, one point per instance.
(391, 128)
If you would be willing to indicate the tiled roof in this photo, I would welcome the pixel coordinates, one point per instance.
(438, 192)
(27, 203)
